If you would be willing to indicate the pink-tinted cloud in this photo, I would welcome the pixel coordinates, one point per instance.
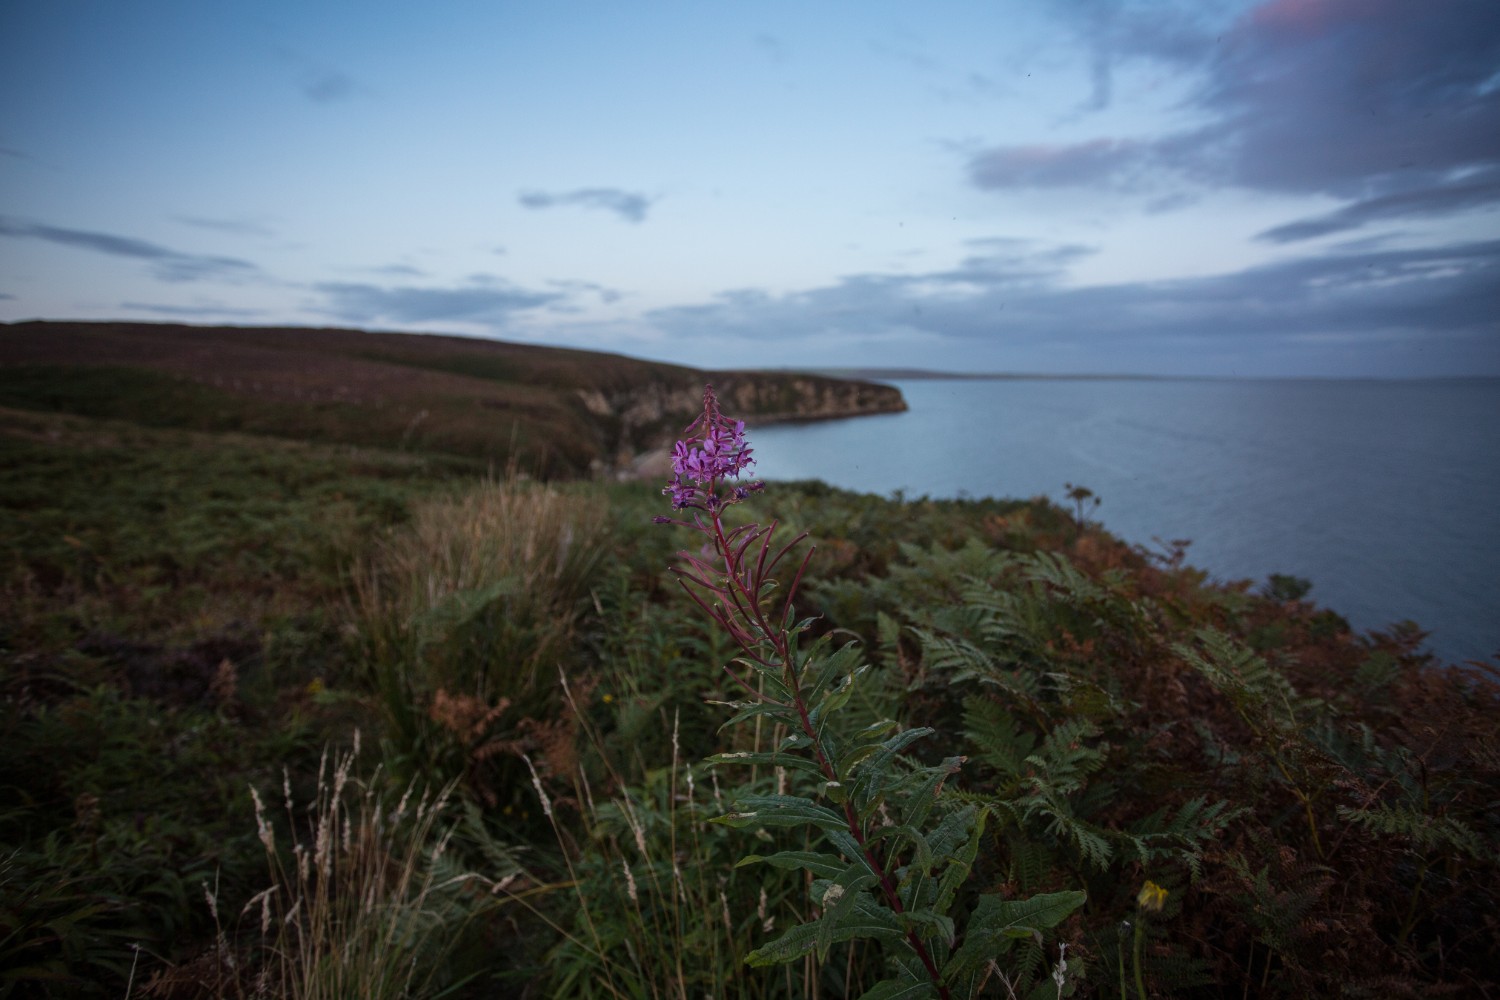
(1358, 99)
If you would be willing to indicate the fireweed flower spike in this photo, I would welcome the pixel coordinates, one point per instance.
(731, 585)
(713, 449)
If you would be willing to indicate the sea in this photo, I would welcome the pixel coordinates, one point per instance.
(1385, 494)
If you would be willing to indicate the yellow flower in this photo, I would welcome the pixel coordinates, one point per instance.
(608, 699)
(1151, 898)
(315, 686)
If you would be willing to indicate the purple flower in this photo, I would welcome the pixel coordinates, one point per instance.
(713, 448)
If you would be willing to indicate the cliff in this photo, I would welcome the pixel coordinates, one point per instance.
(641, 420)
(556, 411)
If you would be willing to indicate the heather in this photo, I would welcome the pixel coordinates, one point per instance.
(284, 717)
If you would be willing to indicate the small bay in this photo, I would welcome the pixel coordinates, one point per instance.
(1382, 493)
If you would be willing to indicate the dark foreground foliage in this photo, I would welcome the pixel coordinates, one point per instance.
(187, 616)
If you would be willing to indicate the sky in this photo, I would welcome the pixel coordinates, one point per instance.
(1278, 188)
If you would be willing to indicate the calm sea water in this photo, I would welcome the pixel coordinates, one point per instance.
(1383, 493)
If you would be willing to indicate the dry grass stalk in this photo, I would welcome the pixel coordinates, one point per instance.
(367, 907)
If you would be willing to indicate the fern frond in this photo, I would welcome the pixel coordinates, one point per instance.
(996, 736)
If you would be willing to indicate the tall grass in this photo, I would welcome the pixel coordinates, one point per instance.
(480, 591)
(366, 903)
(462, 616)
(658, 909)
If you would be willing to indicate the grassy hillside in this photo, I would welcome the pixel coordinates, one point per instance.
(552, 411)
(315, 718)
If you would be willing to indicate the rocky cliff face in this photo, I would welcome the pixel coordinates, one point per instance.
(645, 418)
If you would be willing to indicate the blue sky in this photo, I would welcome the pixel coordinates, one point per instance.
(1293, 187)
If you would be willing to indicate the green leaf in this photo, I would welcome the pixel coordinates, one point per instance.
(922, 787)
(900, 989)
(782, 810)
(997, 922)
(867, 921)
(936, 924)
(772, 759)
(755, 710)
(844, 663)
(873, 772)
(923, 854)
(962, 861)
(840, 900)
(839, 696)
(821, 865)
(887, 630)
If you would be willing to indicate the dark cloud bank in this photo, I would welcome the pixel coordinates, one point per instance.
(1390, 105)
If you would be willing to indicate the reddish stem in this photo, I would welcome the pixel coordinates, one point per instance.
(746, 598)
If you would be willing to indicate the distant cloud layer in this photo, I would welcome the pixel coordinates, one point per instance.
(627, 205)
(481, 300)
(166, 264)
(1392, 104)
(1378, 307)
(199, 312)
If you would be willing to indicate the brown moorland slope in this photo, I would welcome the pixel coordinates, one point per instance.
(556, 411)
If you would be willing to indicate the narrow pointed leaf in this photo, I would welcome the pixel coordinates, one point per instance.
(821, 865)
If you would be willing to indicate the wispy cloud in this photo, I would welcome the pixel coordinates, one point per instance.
(398, 271)
(328, 86)
(1098, 161)
(1178, 35)
(166, 264)
(773, 47)
(199, 312)
(1470, 191)
(318, 80)
(628, 205)
(486, 301)
(578, 289)
(235, 227)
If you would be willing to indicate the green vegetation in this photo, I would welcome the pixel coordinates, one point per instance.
(312, 718)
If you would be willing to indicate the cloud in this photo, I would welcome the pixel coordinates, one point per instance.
(319, 81)
(1472, 191)
(236, 227)
(481, 300)
(626, 204)
(1177, 35)
(773, 48)
(1357, 99)
(1379, 302)
(329, 86)
(604, 293)
(1098, 161)
(398, 271)
(194, 312)
(166, 264)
